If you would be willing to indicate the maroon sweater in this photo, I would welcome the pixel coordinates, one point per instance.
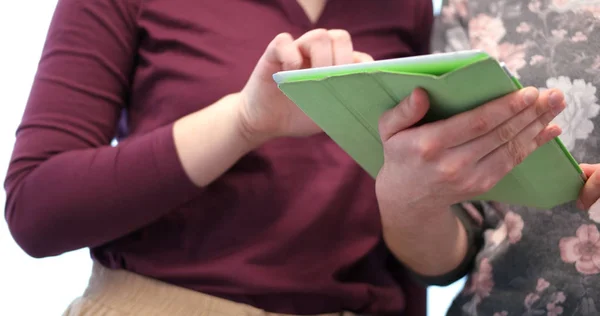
(293, 227)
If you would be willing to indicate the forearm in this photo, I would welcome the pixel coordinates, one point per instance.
(210, 141)
(428, 246)
(67, 188)
(87, 197)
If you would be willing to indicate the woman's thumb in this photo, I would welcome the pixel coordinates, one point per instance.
(404, 115)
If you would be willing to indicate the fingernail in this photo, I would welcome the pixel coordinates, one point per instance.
(556, 100)
(530, 96)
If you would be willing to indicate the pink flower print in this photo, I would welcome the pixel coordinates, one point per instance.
(454, 9)
(481, 282)
(495, 237)
(554, 310)
(537, 59)
(487, 46)
(534, 6)
(596, 64)
(530, 299)
(558, 297)
(513, 56)
(594, 212)
(486, 30)
(542, 285)
(514, 226)
(583, 249)
(523, 28)
(559, 34)
(448, 14)
(594, 10)
(502, 313)
(460, 6)
(579, 37)
(560, 3)
(533, 298)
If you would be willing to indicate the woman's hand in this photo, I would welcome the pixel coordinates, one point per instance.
(211, 140)
(590, 193)
(439, 164)
(266, 111)
(433, 166)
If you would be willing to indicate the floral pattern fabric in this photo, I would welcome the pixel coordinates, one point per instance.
(536, 262)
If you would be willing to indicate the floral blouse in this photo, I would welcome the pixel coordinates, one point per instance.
(533, 261)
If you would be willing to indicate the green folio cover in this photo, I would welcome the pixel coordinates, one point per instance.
(347, 101)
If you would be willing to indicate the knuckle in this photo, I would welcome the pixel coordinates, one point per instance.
(390, 118)
(383, 125)
(546, 118)
(463, 161)
(292, 64)
(540, 108)
(505, 133)
(340, 35)
(485, 185)
(449, 173)
(281, 39)
(515, 104)
(452, 171)
(480, 124)
(538, 140)
(516, 152)
(466, 160)
(320, 35)
(428, 149)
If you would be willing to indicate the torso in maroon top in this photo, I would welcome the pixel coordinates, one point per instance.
(293, 227)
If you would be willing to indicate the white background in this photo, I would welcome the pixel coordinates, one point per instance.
(30, 286)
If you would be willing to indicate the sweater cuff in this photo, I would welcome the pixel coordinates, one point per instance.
(169, 166)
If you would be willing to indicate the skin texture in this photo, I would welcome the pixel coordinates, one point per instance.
(590, 193)
(430, 167)
(312, 8)
(426, 168)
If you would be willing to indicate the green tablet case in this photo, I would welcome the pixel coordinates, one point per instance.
(347, 101)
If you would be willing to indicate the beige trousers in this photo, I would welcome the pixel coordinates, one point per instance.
(119, 292)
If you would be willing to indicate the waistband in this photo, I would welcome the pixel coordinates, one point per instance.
(135, 294)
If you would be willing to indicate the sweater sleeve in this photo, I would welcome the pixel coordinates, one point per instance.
(67, 188)
(424, 28)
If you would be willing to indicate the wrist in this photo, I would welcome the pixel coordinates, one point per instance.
(416, 224)
(252, 136)
(428, 245)
(211, 140)
(413, 218)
